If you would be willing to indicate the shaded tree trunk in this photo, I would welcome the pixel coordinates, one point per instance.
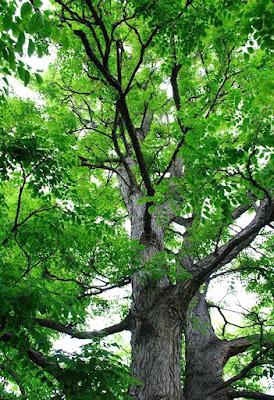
(205, 354)
(156, 329)
(156, 354)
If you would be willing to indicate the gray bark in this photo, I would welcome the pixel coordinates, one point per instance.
(156, 352)
(205, 354)
(156, 328)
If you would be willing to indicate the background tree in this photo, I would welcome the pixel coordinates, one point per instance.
(158, 114)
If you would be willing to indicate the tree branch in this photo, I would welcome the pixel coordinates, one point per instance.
(136, 145)
(183, 221)
(250, 395)
(174, 83)
(105, 72)
(145, 124)
(36, 357)
(141, 58)
(226, 253)
(184, 129)
(240, 211)
(240, 345)
(121, 326)
(242, 374)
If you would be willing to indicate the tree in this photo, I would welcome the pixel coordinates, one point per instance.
(158, 114)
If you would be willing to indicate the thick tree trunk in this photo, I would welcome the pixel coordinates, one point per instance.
(205, 354)
(156, 331)
(156, 352)
(156, 327)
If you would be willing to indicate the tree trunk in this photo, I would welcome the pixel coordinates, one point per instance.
(156, 353)
(205, 354)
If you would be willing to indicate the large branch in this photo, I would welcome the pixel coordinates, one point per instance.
(184, 129)
(136, 145)
(240, 211)
(240, 345)
(174, 83)
(226, 253)
(183, 221)
(257, 360)
(45, 363)
(121, 326)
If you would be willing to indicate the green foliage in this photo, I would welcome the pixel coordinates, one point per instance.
(64, 237)
(20, 28)
(56, 238)
(96, 372)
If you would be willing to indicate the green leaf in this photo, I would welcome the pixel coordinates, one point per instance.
(35, 23)
(65, 41)
(46, 30)
(26, 77)
(7, 22)
(31, 48)
(39, 78)
(26, 10)
(11, 58)
(20, 42)
(21, 72)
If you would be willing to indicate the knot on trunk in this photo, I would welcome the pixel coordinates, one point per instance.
(146, 331)
(150, 238)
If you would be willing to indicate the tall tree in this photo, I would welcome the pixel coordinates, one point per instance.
(156, 113)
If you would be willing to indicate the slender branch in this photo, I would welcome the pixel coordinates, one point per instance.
(121, 326)
(141, 58)
(112, 81)
(174, 83)
(123, 109)
(226, 322)
(176, 96)
(16, 379)
(250, 395)
(99, 290)
(183, 221)
(174, 155)
(19, 200)
(35, 212)
(107, 39)
(225, 79)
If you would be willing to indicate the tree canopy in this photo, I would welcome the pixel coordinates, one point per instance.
(148, 162)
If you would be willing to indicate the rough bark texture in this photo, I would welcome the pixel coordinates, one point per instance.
(205, 355)
(156, 328)
(156, 334)
(156, 350)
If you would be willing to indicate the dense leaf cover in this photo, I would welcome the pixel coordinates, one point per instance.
(172, 95)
